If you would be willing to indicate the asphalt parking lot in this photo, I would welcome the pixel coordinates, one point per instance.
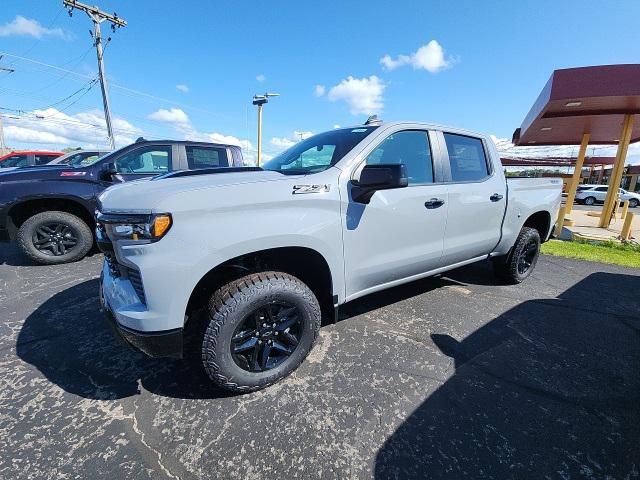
(454, 377)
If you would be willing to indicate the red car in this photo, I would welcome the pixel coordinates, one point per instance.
(27, 157)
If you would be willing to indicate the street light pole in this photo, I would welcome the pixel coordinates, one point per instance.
(260, 100)
(259, 133)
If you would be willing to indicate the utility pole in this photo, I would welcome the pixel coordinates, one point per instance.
(260, 100)
(98, 16)
(3, 145)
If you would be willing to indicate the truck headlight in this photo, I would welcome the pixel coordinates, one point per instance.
(135, 227)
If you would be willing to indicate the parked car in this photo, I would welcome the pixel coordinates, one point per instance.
(49, 209)
(339, 215)
(591, 194)
(27, 157)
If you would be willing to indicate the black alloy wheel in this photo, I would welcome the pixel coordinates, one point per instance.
(260, 328)
(528, 256)
(520, 262)
(266, 337)
(54, 239)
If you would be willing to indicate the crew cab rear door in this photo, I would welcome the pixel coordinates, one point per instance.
(477, 198)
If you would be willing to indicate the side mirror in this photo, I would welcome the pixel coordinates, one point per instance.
(108, 171)
(379, 177)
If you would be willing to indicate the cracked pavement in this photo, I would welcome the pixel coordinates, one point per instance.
(453, 377)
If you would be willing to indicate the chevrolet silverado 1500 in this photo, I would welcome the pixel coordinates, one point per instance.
(265, 252)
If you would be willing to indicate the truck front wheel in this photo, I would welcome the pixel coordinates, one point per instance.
(518, 265)
(54, 237)
(260, 329)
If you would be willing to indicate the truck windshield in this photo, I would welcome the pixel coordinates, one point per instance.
(319, 152)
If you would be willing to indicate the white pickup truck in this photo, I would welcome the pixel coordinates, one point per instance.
(266, 252)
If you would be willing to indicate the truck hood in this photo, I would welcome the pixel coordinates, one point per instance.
(146, 195)
(43, 172)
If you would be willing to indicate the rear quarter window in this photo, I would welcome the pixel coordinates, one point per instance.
(206, 157)
(467, 158)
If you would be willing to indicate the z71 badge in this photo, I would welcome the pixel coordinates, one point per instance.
(299, 189)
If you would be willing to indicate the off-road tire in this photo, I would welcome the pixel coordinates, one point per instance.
(231, 304)
(80, 229)
(506, 268)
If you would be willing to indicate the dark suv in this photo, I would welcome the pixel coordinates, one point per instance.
(49, 209)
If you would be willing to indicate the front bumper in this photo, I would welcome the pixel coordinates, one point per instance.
(167, 343)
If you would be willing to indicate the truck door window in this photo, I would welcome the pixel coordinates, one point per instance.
(150, 160)
(466, 157)
(410, 147)
(206, 157)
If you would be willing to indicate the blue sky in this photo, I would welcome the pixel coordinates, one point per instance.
(477, 65)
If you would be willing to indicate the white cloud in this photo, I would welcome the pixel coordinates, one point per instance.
(181, 123)
(336, 126)
(319, 90)
(29, 28)
(428, 57)
(55, 128)
(183, 88)
(363, 95)
(261, 78)
(173, 115)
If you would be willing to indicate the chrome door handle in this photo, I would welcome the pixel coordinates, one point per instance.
(496, 197)
(434, 203)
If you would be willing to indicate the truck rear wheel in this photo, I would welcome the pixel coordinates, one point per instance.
(54, 237)
(261, 327)
(518, 265)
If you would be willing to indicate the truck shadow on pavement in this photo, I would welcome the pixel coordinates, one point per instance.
(71, 343)
(550, 388)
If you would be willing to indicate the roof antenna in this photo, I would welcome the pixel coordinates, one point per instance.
(373, 120)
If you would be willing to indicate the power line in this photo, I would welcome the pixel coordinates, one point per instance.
(113, 85)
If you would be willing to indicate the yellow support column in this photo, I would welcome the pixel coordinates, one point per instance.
(625, 209)
(626, 228)
(616, 174)
(632, 183)
(560, 222)
(577, 173)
